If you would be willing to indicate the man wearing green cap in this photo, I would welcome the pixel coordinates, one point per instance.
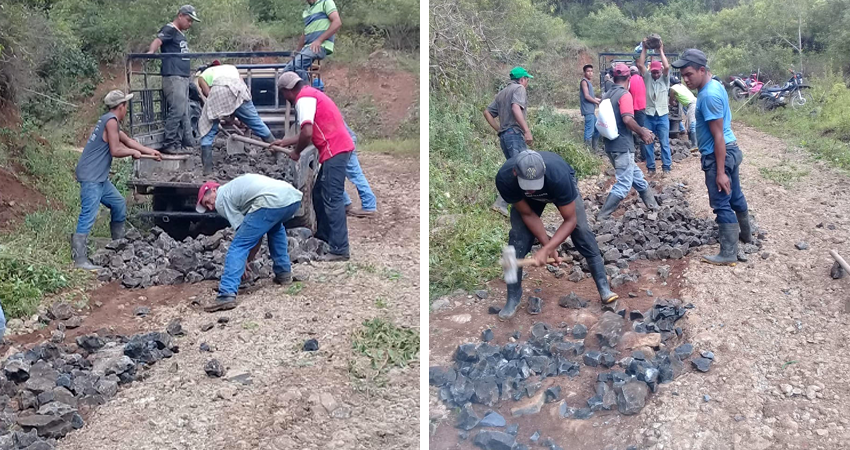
(175, 79)
(510, 107)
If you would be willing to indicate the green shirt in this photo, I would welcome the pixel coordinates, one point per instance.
(220, 72)
(317, 20)
(683, 95)
(250, 192)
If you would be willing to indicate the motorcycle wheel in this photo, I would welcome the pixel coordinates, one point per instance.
(798, 101)
(738, 94)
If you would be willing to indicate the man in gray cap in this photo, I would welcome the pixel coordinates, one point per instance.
(529, 181)
(106, 141)
(175, 79)
(718, 147)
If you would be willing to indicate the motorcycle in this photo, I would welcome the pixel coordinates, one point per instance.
(745, 87)
(779, 96)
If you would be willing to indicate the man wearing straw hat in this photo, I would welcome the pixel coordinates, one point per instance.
(106, 141)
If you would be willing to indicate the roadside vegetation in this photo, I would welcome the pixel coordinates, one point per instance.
(54, 54)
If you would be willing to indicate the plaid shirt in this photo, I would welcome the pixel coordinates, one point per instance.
(226, 94)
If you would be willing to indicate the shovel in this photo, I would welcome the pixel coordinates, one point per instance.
(235, 144)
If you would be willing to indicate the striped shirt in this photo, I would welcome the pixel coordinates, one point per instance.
(317, 20)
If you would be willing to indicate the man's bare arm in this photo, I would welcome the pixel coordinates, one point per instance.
(135, 145)
(586, 93)
(155, 45)
(116, 148)
(664, 63)
(532, 221)
(716, 129)
(491, 120)
(641, 62)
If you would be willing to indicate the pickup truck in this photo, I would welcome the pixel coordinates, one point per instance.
(173, 188)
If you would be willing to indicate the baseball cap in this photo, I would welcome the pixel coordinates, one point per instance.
(634, 69)
(655, 65)
(115, 98)
(288, 80)
(519, 72)
(530, 169)
(203, 190)
(691, 56)
(189, 10)
(621, 70)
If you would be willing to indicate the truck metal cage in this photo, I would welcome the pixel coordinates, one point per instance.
(607, 61)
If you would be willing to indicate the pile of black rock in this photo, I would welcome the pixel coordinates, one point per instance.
(670, 232)
(487, 374)
(680, 149)
(157, 259)
(229, 166)
(46, 391)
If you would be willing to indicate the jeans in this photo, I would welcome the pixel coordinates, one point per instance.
(332, 226)
(178, 124)
(247, 114)
(264, 221)
(725, 205)
(583, 238)
(303, 60)
(354, 173)
(92, 195)
(628, 175)
(590, 130)
(660, 125)
(512, 142)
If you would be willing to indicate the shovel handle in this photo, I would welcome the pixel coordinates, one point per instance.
(262, 144)
(167, 157)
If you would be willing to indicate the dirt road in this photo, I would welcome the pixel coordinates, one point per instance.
(778, 326)
(288, 401)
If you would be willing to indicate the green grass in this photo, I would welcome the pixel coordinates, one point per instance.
(466, 237)
(386, 344)
(400, 147)
(823, 129)
(295, 288)
(786, 175)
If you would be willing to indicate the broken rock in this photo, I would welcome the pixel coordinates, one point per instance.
(495, 440)
(632, 397)
(530, 406)
(609, 329)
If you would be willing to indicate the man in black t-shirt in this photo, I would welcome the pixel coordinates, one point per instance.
(175, 79)
(529, 181)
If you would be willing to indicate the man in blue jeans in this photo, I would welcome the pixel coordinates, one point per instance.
(657, 81)
(719, 148)
(354, 173)
(588, 102)
(105, 142)
(510, 106)
(255, 205)
(321, 22)
(225, 93)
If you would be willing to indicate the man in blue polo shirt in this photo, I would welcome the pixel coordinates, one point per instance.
(717, 144)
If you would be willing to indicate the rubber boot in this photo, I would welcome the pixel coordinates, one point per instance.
(207, 159)
(728, 238)
(514, 296)
(78, 252)
(597, 271)
(588, 143)
(648, 198)
(609, 207)
(594, 143)
(692, 135)
(746, 234)
(117, 230)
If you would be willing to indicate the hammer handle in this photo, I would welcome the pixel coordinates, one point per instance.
(167, 157)
(530, 262)
(260, 143)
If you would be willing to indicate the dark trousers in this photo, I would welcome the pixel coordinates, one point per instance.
(512, 141)
(329, 204)
(725, 205)
(583, 238)
(178, 124)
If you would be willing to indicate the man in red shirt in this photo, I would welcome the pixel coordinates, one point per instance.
(637, 89)
(321, 124)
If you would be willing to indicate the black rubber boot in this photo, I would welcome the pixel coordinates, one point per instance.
(207, 159)
(594, 143)
(597, 271)
(728, 238)
(79, 252)
(609, 207)
(283, 278)
(116, 230)
(692, 135)
(746, 234)
(648, 197)
(223, 302)
(514, 296)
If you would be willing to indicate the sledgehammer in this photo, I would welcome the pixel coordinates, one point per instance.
(510, 263)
